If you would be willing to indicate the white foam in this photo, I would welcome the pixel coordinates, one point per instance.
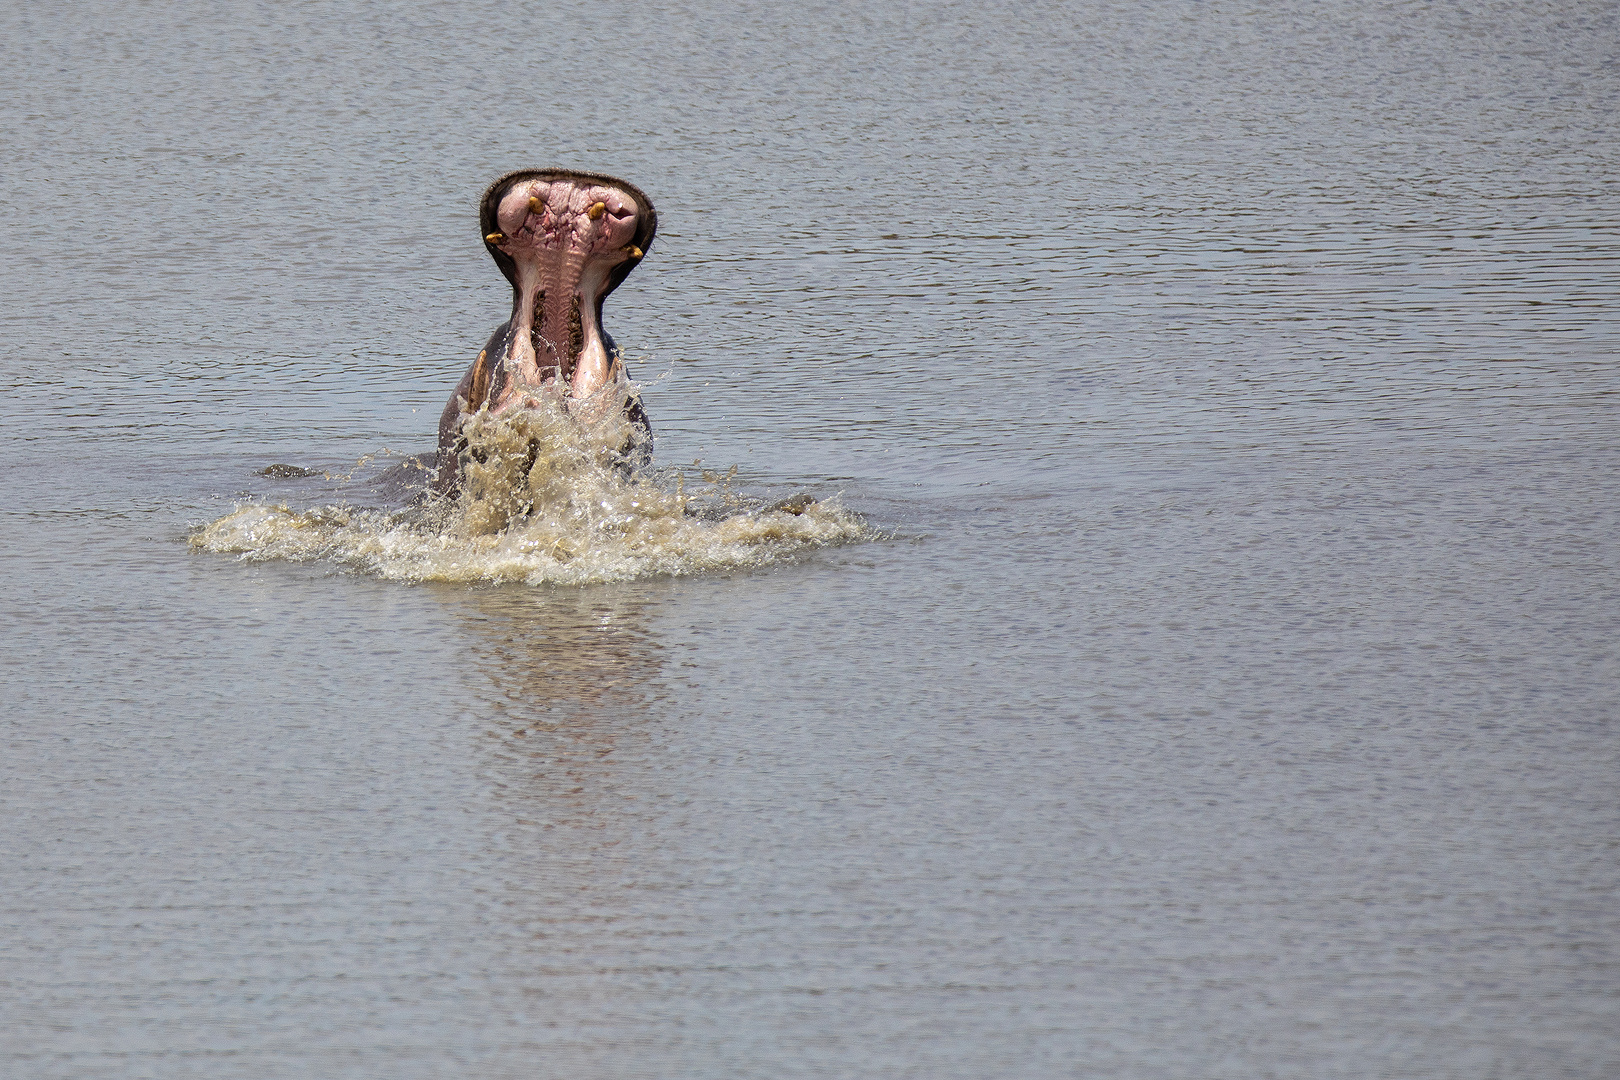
(563, 514)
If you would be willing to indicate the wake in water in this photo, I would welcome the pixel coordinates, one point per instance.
(542, 500)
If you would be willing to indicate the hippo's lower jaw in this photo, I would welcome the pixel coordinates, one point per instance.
(564, 240)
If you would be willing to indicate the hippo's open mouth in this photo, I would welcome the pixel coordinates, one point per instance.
(564, 240)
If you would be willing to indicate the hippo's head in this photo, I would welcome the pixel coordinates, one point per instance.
(564, 240)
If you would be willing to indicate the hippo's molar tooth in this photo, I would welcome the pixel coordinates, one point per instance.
(537, 205)
(597, 210)
(494, 237)
(633, 251)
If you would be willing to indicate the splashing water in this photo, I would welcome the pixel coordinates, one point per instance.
(543, 500)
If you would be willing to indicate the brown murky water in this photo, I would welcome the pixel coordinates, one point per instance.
(1203, 664)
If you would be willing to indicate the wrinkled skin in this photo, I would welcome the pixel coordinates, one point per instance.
(564, 240)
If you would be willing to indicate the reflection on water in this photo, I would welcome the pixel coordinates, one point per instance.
(563, 676)
(571, 694)
(550, 656)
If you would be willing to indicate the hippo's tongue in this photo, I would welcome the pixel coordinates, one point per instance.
(564, 236)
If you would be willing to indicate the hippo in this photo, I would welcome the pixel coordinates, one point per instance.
(564, 240)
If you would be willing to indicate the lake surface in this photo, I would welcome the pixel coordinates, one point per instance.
(1224, 682)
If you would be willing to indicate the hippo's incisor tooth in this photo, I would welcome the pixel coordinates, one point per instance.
(633, 251)
(536, 204)
(494, 237)
(597, 210)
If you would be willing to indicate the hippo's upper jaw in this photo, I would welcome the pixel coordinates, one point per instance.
(564, 240)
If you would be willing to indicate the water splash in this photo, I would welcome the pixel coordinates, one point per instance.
(543, 500)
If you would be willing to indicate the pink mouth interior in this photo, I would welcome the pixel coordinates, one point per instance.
(565, 237)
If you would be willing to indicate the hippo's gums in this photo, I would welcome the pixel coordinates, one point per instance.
(564, 240)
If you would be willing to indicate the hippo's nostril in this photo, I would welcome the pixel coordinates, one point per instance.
(620, 213)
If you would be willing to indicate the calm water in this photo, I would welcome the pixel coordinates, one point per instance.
(1232, 689)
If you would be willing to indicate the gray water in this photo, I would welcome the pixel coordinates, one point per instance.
(1228, 686)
